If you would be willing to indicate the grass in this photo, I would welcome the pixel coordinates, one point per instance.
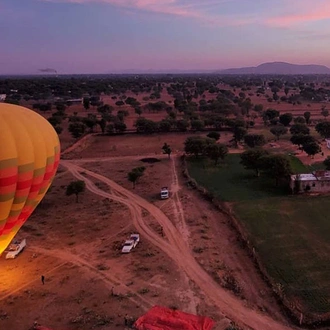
(290, 233)
(297, 166)
(317, 166)
(291, 236)
(230, 182)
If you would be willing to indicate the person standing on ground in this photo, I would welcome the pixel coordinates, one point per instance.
(43, 279)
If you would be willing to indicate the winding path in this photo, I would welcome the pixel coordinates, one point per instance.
(176, 248)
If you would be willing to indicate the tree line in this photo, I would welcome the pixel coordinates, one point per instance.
(295, 88)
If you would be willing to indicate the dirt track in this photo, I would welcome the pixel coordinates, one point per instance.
(176, 248)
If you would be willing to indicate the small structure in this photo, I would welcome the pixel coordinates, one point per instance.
(168, 319)
(3, 97)
(315, 182)
(75, 101)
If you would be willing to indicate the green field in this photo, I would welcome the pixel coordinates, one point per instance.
(290, 233)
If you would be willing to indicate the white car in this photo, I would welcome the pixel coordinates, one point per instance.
(135, 238)
(15, 248)
(164, 194)
(128, 246)
(131, 243)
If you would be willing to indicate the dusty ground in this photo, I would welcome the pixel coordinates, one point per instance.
(177, 249)
(127, 145)
(75, 246)
(99, 146)
(206, 231)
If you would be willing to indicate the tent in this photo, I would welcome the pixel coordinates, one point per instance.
(162, 318)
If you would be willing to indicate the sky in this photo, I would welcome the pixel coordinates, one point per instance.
(105, 36)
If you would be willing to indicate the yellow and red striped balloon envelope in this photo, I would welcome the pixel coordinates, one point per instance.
(29, 157)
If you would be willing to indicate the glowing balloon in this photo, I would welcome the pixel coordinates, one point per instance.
(29, 157)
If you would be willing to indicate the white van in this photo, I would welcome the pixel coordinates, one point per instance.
(164, 194)
(15, 248)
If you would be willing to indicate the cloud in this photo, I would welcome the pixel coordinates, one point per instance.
(195, 9)
(305, 11)
(48, 70)
(291, 13)
(292, 20)
(190, 9)
(171, 7)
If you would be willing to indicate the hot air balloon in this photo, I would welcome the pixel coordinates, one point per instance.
(29, 158)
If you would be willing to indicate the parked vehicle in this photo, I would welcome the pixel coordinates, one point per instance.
(164, 193)
(131, 243)
(128, 246)
(135, 238)
(15, 248)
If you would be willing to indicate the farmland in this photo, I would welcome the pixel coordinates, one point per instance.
(290, 234)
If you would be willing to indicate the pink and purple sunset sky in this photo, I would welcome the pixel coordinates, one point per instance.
(103, 36)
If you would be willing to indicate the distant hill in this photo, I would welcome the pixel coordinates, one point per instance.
(279, 68)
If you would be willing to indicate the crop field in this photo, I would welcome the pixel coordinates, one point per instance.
(290, 233)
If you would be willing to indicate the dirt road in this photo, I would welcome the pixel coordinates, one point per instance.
(178, 209)
(77, 144)
(176, 248)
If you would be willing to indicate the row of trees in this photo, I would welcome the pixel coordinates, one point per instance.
(78, 125)
(276, 166)
(205, 146)
(191, 86)
(299, 129)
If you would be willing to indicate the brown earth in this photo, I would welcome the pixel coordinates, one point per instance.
(127, 145)
(201, 225)
(75, 246)
(178, 251)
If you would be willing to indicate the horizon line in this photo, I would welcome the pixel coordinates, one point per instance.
(156, 71)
